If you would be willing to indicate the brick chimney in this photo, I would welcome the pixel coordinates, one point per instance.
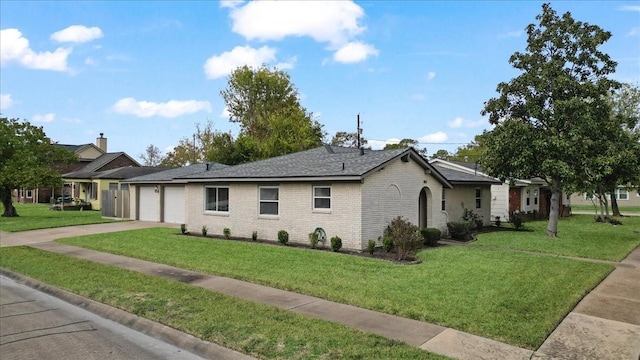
(101, 142)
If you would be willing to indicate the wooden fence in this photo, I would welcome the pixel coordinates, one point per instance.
(115, 204)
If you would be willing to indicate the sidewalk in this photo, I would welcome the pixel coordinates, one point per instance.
(604, 325)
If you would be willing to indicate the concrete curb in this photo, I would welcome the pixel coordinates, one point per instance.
(156, 330)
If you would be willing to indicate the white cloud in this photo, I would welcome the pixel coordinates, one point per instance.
(5, 101)
(512, 34)
(46, 118)
(380, 144)
(289, 64)
(77, 34)
(431, 75)
(459, 122)
(438, 137)
(630, 8)
(168, 149)
(354, 52)
(225, 113)
(15, 48)
(418, 97)
(170, 109)
(634, 31)
(222, 65)
(90, 61)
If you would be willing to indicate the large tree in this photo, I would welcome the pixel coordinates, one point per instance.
(404, 143)
(152, 156)
(347, 139)
(548, 119)
(28, 159)
(192, 150)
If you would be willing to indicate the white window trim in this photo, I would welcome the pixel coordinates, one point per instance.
(269, 216)
(29, 194)
(619, 191)
(217, 212)
(314, 197)
(478, 197)
(443, 202)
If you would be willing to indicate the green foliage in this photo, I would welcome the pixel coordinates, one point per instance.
(459, 230)
(28, 159)
(551, 121)
(283, 237)
(204, 230)
(405, 143)
(371, 247)
(192, 150)
(313, 239)
(387, 244)
(431, 236)
(254, 236)
(516, 220)
(183, 228)
(347, 139)
(152, 156)
(441, 154)
(39, 216)
(498, 222)
(405, 236)
(227, 233)
(336, 244)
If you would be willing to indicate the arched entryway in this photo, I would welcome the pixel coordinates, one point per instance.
(425, 209)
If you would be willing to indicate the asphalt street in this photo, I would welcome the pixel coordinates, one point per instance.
(34, 325)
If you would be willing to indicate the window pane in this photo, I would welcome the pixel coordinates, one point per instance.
(478, 192)
(124, 187)
(322, 191)
(223, 199)
(322, 203)
(478, 204)
(268, 208)
(268, 194)
(211, 199)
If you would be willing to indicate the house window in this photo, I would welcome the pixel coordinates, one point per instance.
(113, 186)
(478, 198)
(622, 194)
(322, 197)
(528, 198)
(443, 207)
(21, 193)
(535, 197)
(269, 198)
(93, 188)
(216, 199)
(588, 196)
(29, 194)
(124, 187)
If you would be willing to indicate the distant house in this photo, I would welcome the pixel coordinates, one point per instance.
(625, 197)
(528, 196)
(346, 192)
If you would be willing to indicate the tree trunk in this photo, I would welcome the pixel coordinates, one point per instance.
(614, 204)
(5, 197)
(554, 211)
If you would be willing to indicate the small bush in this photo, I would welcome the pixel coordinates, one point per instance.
(387, 244)
(227, 233)
(498, 222)
(254, 236)
(336, 244)
(313, 239)
(371, 247)
(283, 237)
(183, 228)
(431, 236)
(479, 223)
(204, 230)
(459, 230)
(516, 220)
(405, 237)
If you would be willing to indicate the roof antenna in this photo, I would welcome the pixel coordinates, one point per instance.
(359, 132)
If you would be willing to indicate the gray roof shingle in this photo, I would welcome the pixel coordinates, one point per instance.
(460, 177)
(169, 175)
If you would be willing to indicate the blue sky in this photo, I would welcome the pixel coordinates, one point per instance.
(145, 72)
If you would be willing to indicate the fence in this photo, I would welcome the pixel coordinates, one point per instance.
(115, 203)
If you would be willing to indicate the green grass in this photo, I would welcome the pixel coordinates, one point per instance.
(511, 297)
(258, 330)
(38, 216)
(623, 209)
(578, 235)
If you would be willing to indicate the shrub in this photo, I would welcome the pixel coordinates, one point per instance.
(431, 236)
(516, 220)
(204, 230)
(405, 237)
(313, 239)
(183, 228)
(254, 236)
(387, 244)
(371, 247)
(227, 233)
(498, 222)
(283, 237)
(336, 244)
(479, 223)
(459, 230)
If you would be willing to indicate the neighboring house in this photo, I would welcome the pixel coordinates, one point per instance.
(625, 197)
(349, 193)
(159, 196)
(86, 153)
(527, 196)
(86, 183)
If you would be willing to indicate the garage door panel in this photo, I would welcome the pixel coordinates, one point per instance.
(149, 204)
(174, 204)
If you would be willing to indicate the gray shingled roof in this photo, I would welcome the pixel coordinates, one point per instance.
(169, 175)
(128, 172)
(94, 166)
(322, 162)
(460, 177)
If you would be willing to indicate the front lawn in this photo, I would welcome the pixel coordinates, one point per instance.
(623, 209)
(38, 216)
(578, 235)
(258, 330)
(516, 298)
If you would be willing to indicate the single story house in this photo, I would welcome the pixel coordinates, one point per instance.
(350, 193)
(624, 195)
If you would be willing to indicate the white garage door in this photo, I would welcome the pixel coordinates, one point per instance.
(174, 204)
(149, 204)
